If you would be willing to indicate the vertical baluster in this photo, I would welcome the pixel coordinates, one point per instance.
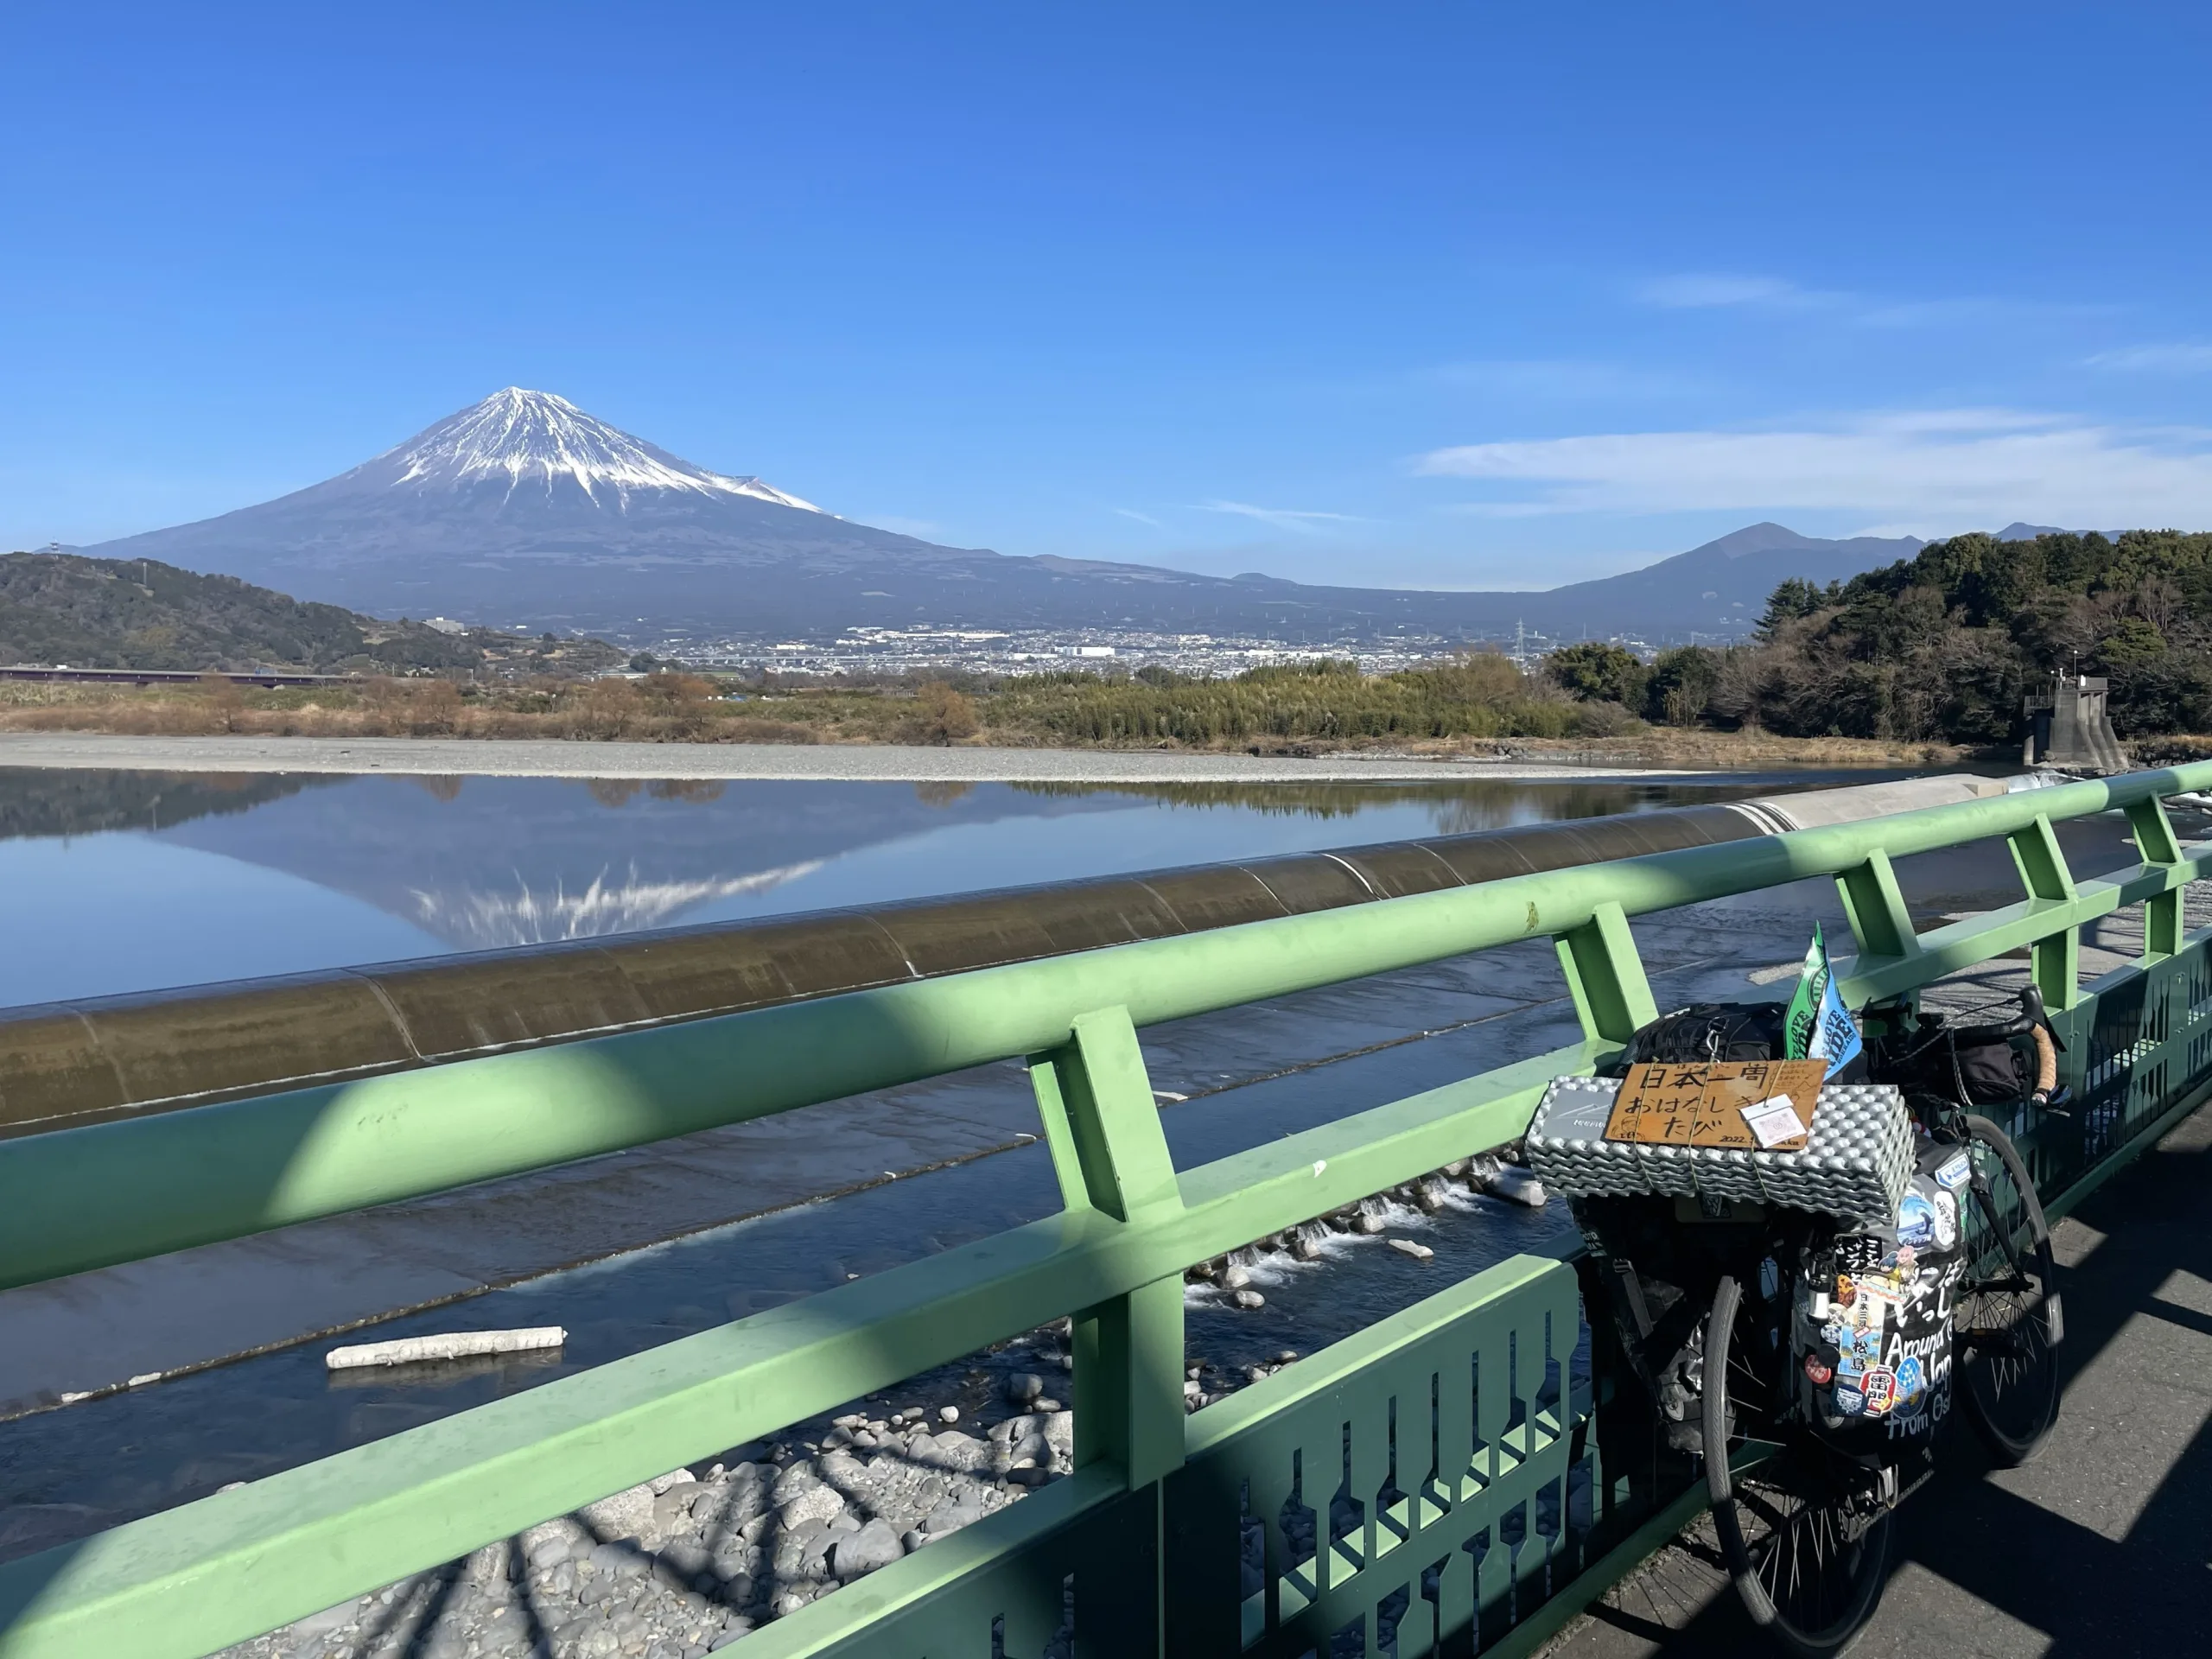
(1103, 1127)
(2162, 915)
(2044, 872)
(1604, 976)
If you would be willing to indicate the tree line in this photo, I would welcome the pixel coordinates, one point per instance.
(1945, 645)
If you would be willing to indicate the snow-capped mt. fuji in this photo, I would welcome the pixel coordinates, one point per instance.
(525, 511)
(534, 439)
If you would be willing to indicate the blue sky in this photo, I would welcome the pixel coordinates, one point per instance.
(1448, 296)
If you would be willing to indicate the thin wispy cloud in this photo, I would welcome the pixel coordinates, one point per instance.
(1710, 291)
(1704, 291)
(1970, 465)
(1565, 377)
(1141, 518)
(1304, 522)
(2173, 357)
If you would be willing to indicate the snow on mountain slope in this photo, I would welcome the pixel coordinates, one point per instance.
(523, 510)
(534, 437)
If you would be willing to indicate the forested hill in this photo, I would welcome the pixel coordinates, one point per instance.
(62, 608)
(1945, 644)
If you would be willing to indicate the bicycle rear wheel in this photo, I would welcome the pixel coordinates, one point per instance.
(2007, 1318)
(1806, 1538)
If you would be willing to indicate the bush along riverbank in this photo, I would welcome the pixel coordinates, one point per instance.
(690, 1562)
(1345, 712)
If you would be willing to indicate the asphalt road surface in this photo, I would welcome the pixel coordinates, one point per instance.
(2101, 1548)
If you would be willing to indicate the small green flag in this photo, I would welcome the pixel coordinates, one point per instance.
(1799, 1023)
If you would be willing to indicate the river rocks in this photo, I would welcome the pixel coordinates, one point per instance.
(626, 1512)
(1518, 1185)
(813, 1501)
(690, 1562)
(861, 1552)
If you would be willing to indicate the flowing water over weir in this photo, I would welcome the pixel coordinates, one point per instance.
(1227, 1082)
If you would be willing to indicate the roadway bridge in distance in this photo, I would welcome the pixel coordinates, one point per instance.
(151, 1126)
(267, 678)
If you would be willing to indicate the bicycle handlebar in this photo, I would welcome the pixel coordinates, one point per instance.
(2031, 1020)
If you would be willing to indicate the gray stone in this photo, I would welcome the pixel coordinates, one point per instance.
(861, 1552)
(791, 1481)
(1023, 1387)
(809, 1503)
(512, 1625)
(623, 1514)
(954, 1513)
(948, 1414)
(547, 1553)
(687, 1559)
(326, 1621)
(618, 1560)
(960, 1453)
(1250, 1299)
(795, 1544)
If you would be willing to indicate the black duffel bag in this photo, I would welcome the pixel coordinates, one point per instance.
(1719, 1031)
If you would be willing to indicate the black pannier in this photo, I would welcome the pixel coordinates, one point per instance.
(1719, 1031)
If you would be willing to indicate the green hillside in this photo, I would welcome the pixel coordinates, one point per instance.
(63, 608)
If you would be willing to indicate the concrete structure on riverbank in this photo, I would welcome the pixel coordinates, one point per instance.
(2069, 728)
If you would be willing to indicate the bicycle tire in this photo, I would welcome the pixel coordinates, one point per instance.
(1776, 1519)
(2007, 1341)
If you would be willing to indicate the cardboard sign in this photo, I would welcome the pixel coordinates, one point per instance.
(1703, 1104)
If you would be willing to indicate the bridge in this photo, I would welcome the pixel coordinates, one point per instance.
(1476, 1484)
(266, 678)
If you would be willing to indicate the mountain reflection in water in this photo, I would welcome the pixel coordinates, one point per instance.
(125, 882)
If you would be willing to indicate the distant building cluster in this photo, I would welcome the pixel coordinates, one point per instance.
(873, 651)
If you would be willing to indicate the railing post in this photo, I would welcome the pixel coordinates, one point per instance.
(2044, 872)
(1604, 976)
(1881, 924)
(1874, 905)
(1102, 1127)
(2158, 844)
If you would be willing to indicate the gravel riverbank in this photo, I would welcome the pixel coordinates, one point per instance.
(820, 763)
(690, 1562)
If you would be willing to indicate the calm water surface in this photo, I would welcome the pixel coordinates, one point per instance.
(121, 881)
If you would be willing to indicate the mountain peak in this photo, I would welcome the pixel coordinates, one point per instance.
(523, 439)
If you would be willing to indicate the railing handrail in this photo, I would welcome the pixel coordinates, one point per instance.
(125, 1190)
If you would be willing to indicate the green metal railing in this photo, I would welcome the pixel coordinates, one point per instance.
(1442, 1461)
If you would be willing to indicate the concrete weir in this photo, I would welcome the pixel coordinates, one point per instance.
(69, 1064)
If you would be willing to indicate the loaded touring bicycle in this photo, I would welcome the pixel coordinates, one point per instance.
(1809, 1262)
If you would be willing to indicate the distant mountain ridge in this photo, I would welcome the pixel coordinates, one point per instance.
(523, 510)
